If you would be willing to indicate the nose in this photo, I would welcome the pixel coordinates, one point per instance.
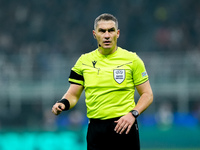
(107, 35)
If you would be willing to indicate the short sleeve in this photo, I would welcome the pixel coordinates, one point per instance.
(139, 73)
(76, 75)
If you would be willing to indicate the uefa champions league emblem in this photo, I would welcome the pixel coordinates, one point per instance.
(119, 75)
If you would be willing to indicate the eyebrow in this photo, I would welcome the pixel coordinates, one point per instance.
(104, 30)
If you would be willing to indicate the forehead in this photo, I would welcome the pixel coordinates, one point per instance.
(106, 24)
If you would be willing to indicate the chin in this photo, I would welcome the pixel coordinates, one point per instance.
(107, 47)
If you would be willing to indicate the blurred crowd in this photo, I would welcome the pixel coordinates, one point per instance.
(39, 36)
(34, 31)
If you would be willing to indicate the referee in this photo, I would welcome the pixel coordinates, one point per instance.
(109, 75)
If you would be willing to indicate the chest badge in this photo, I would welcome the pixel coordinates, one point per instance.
(119, 75)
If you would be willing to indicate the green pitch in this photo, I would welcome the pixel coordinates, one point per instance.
(172, 149)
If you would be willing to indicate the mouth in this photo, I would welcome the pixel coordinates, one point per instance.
(106, 42)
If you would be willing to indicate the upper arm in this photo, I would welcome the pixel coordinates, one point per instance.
(140, 75)
(74, 91)
(144, 88)
(146, 97)
(76, 75)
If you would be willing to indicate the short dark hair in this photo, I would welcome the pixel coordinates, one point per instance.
(106, 17)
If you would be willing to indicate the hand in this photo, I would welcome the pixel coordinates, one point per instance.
(124, 123)
(58, 108)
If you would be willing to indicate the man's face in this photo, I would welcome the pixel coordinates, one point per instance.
(106, 34)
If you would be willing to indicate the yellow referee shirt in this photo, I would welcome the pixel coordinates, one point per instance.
(109, 82)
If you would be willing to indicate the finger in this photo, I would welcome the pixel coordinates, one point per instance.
(128, 129)
(53, 111)
(59, 108)
(117, 126)
(124, 128)
(120, 126)
(56, 110)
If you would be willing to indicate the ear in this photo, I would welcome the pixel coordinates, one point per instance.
(94, 34)
(118, 33)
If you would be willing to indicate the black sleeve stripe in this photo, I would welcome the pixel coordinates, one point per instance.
(74, 75)
(74, 83)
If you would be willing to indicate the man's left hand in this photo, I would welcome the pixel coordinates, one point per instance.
(124, 123)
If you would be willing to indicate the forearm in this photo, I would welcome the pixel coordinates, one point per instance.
(72, 99)
(73, 94)
(144, 102)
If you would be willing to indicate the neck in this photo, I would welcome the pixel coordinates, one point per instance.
(107, 51)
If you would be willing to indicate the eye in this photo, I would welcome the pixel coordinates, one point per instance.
(111, 30)
(102, 30)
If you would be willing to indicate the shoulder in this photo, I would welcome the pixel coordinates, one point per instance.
(132, 56)
(88, 55)
(128, 54)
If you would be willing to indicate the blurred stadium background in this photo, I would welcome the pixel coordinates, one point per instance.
(40, 40)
